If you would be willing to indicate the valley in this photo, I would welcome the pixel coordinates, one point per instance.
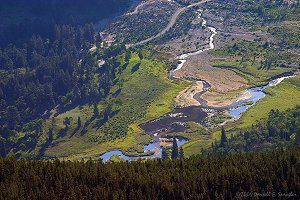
(226, 100)
(149, 99)
(167, 69)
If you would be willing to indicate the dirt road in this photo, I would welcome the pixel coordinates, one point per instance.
(169, 26)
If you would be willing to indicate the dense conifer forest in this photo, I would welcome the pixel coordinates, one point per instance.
(45, 61)
(20, 19)
(281, 129)
(239, 176)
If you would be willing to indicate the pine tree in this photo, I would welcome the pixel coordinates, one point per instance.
(181, 153)
(2, 147)
(297, 139)
(96, 111)
(12, 116)
(174, 149)
(107, 111)
(67, 122)
(79, 122)
(98, 40)
(164, 154)
(223, 138)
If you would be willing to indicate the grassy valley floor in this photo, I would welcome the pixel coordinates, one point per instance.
(284, 96)
(146, 93)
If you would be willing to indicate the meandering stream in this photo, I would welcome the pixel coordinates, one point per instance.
(152, 147)
(183, 58)
(257, 93)
(237, 108)
(180, 141)
(174, 121)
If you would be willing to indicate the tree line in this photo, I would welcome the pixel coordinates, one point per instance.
(281, 129)
(201, 177)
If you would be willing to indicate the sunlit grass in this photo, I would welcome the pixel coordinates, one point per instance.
(145, 94)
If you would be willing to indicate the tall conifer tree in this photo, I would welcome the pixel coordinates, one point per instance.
(174, 149)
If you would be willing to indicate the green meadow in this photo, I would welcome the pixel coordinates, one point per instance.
(284, 96)
(143, 93)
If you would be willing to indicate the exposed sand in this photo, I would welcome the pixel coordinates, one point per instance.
(226, 86)
(164, 142)
(245, 95)
(223, 103)
(156, 151)
(186, 97)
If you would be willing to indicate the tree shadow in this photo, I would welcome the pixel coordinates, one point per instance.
(45, 146)
(135, 68)
(27, 143)
(62, 132)
(75, 131)
(125, 66)
(116, 93)
(86, 124)
(113, 113)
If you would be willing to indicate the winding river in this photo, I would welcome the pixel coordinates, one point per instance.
(174, 122)
(180, 141)
(236, 109)
(257, 93)
(149, 148)
(183, 58)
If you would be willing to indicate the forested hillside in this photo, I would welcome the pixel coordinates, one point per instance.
(281, 129)
(45, 62)
(185, 99)
(21, 18)
(68, 91)
(256, 175)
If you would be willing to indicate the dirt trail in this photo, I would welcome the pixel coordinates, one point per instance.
(169, 26)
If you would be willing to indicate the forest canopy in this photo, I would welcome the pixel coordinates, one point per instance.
(212, 177)
(22, 18)
(45, 61)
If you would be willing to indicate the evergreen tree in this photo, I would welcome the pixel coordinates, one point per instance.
(154, 179)
(223, 138)
(181, 153)
(98, 40)
(107, 111)
(79, 122)
(96, 111)
(67, 122)
(297, 139)
(2, 147)
(12, 116)
(174, 149)
(164, 153)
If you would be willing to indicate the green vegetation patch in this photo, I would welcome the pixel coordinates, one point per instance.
(198, 136)
(256, 61)
(289, 34)
(139, 95)
(116, 158)
(282, 97)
